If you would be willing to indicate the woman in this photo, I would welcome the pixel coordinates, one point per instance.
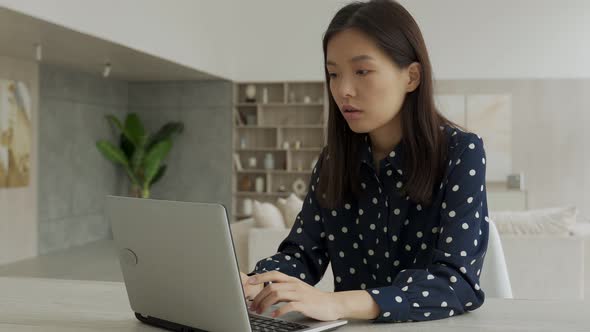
(397, 200)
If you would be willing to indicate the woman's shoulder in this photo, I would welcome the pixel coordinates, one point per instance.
(460, 139)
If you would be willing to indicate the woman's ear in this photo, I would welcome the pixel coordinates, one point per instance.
(414, 75)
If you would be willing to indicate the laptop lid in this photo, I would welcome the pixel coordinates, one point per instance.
(178, 262)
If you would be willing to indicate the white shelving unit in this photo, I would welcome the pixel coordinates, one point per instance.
(280, 112)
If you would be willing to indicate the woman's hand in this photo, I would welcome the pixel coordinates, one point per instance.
(302, 297)
(250, 291)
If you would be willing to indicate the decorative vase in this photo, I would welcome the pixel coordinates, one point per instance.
(252, 162)
(246, 184)
(259, 184)
(299, 187)
(269, 161)
(250, 93)
(247, 206)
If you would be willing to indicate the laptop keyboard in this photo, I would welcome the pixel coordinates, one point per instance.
(260, 323)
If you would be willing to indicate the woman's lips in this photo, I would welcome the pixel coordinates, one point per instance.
(351, 112)
(352, 115)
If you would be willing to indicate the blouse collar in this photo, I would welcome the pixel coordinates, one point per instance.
(394, 157)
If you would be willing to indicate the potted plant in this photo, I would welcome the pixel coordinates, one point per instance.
(141, 155)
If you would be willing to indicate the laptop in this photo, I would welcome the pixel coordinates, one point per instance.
(181, 272)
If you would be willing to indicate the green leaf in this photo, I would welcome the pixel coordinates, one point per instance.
(167, 131)
(134, 129)
(126, 146)
(154, 158)
(138, 154)
(115, 122)
(159, 174)
(132, 177)
(112, 152)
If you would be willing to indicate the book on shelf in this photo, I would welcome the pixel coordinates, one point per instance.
(239, 118)
(237, 162)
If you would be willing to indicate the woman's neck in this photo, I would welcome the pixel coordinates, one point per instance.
(385, 138)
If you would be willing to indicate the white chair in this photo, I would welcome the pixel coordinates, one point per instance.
(494, 279)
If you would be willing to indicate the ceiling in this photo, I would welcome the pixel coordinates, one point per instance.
(20, 33)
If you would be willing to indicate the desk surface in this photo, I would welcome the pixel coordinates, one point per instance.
(32, 304)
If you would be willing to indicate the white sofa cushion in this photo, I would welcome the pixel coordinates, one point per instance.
(549, 221)
(290, 208)
(267, 215)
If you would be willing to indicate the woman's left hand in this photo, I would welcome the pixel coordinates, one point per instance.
(302, 297)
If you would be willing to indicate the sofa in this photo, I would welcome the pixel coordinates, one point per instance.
(539, 267)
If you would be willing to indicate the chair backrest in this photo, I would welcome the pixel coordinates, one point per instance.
(494, 279)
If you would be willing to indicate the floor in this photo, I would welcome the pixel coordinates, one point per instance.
(98, 261)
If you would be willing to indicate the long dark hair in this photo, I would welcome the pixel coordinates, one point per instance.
(425, 146)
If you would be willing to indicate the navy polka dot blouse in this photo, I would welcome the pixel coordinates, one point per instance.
(418, 263)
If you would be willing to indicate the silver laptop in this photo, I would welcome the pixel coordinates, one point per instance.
(181, 272)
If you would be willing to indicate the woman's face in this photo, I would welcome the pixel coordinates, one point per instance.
(364, 77)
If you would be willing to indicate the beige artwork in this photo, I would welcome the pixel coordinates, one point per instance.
(491, 117)
(15, 134)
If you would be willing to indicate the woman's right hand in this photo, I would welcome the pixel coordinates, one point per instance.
(250, 291)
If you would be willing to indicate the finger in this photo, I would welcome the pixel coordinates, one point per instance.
(274, 298)
(274, 276)
(289, 307)
(244, 278)
(268, 290)
(252, 290)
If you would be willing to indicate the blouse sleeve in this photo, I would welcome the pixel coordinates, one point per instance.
(450, 284)
(302, 254)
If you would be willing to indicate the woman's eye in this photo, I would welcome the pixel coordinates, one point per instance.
(362, 72)
(332, 75)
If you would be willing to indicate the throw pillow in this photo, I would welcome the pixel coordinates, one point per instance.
(290, 208)
(266, 215)
(548, 221)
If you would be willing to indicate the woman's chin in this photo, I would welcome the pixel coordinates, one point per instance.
(358, 128)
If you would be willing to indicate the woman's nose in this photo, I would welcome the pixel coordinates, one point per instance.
(345, 89)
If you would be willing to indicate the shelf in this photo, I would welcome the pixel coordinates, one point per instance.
(273, 171)
(280, 127)
(267, 194)
(280, 150)
(264, 128)
(279, 104)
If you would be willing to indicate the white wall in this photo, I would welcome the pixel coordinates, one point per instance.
(465, 38)
(18, 206)
(194, 33)
(281, 40)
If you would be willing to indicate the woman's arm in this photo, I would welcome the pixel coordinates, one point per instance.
(356, 304)
(302, 254)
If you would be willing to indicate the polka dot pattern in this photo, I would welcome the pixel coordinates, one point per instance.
(417, 261)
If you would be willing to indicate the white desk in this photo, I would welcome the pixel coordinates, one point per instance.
(31, 304)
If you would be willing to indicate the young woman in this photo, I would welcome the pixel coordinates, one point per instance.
(397, 200)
